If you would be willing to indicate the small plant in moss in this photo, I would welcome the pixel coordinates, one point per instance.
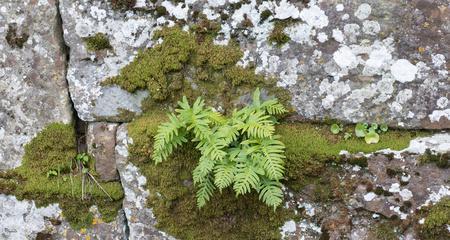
(48, 175)
(278, 36)
(241, 151)
(336, 128)
(97, 42)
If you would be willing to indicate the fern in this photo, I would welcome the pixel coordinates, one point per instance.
(239, 152)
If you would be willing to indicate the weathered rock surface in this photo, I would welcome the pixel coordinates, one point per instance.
(33, 89)
(394, 185)
(127, 32)
(23, 220)
(101, 142)
(141, 221)
(382, 61)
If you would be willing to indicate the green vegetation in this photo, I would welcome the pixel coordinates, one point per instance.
(240, 151)
(311, 151)
(48, 175)
(311, 147)
(97, 42)
(190, 64)
(13, 38)
(362, 130)
(123, 4)
(277, 35)
(437, 220)
(442, 160)
(385, 231)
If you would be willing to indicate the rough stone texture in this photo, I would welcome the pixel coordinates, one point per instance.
(141, 221)
(23, 220)
(127, 33)
(355, 214)
(33, 90)
(101, 141)
(383, 61)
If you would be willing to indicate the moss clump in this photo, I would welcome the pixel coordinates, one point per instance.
(277, 35)
(435, 226)
(14, 39)
(172, 195)
(190, 64)
(442, 160)
(97, 42)
(265, 15)
(310, 147)
(54, 148)
(123, 4)
(384, 231)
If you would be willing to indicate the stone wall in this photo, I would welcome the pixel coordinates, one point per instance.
(354, 61)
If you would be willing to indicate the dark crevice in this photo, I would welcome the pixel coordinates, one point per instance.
(80, 125)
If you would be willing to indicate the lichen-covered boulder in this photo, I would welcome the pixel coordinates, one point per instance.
(33, 89)
(95, 57)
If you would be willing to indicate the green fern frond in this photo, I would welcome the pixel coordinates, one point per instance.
(224, 174)
(273, 158)
(216, 118)
(204, 192)
(258, 125)
(246, 178)
(204, 168)
(270, 193)
(273, 107)
(169, 136)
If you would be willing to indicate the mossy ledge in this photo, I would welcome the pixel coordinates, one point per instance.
(310, 149)
(437, 221)
(54, 148)
(190, 64)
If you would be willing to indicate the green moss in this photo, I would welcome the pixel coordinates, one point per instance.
(54, 148)
(97, 42)
(277, 35)
(435, 226)
(441, 160)
(13, 38)
(190, 64)
(172, 195)
(384, 231)
(123, 4)
(309, 147)
(265, 15)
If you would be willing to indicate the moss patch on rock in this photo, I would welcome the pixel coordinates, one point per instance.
(123, 4)
(97, 42)
(277, 35)
(190, 64)
(54, 148)
(309, 150)
(437, 221)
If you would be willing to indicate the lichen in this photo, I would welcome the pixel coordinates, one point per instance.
(15, 39)
(309, 149)
(190, 64)
(97, 42)
(54, 148)
(437, 221)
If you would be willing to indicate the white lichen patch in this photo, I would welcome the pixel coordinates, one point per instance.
(345, 58)
(286, 10)
(403, 71)
(363, 11)
(369, 196)
(442, 102)
(288, 227)
(438, 60)
(371, 27)
(314, 16)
